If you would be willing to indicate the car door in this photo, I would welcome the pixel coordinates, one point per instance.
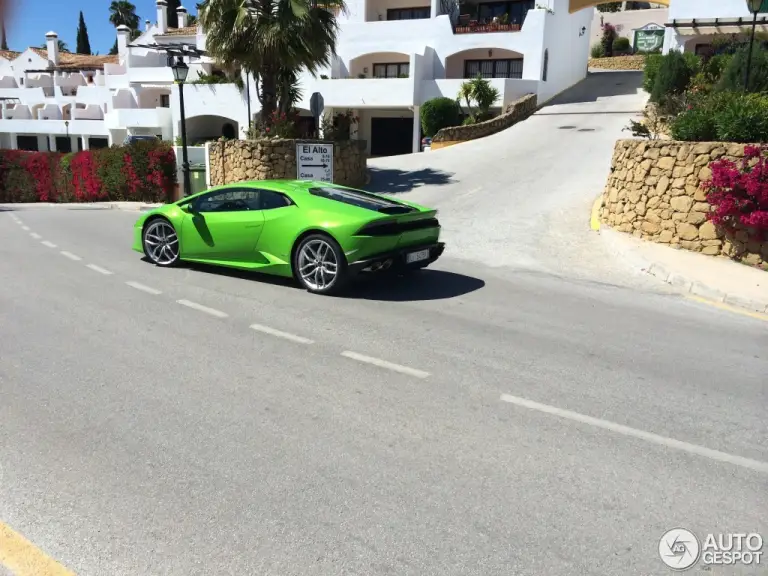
(223, 225)
(280, 225)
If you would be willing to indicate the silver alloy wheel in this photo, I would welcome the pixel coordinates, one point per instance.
(318, 266)
(161, 243)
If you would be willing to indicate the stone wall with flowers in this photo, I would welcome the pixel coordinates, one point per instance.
(233, 161)
(516, 112)
(655, 192)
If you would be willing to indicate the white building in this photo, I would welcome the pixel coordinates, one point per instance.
(393, 55)
(694, 23)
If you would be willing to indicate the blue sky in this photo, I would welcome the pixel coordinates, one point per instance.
(27, 27)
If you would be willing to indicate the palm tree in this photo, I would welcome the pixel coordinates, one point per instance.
(62, 46)
(122, 12)
(273, 40)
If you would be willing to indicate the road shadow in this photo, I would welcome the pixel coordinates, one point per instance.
(417, 286)
(7, 209)
(598, 85)
(240, 274)
(395, 181)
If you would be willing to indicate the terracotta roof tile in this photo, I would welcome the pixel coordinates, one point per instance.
(68, 60)
(9, 54)
(188, 31)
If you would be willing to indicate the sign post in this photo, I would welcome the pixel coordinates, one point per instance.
(316, 105)
(314, 161)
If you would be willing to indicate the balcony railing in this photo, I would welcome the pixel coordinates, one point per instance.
(477, 27)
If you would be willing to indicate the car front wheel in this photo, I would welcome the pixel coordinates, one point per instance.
(161, 243)
(320, 265)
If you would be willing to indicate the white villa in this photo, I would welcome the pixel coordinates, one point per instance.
(693, 24)
(393, 55)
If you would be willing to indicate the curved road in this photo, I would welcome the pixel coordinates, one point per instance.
(477, 421)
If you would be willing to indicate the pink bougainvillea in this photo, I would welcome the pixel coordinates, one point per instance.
(738, 192)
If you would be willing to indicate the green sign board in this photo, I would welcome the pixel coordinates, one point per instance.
(764, 7)
(649, 40)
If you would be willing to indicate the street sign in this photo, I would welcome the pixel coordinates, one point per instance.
(316, 104)
(314, 161)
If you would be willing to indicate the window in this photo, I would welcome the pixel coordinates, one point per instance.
(165, 100)
(391, 70)
(546, 64)
(271, 200)
(229, 200)
(28, 143)
(409, 13)
(63, 144)
(360, 199)
(501, 68)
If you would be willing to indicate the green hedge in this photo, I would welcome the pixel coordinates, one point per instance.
(724, 117)
(439, 113)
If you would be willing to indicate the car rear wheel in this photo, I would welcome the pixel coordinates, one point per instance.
(161, 243)
(320, 265)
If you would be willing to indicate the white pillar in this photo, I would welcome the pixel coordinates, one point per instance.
(416, 129)
(434, 6)
(14, 142)
(52, 142)
(86, 143)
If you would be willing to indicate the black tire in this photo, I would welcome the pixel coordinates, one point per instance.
(165, 261)
(341, 278)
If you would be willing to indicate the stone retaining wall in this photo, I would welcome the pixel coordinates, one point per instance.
(516, 112)
(654, 192)
(630, 62)
(238, 160)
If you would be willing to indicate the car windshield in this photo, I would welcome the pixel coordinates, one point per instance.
(358, 198)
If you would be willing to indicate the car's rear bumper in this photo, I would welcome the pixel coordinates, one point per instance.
(397, 258)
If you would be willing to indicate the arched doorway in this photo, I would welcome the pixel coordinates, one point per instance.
(201, 129)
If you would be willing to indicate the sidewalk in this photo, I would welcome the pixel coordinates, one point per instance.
(710, 277)
(128, 206)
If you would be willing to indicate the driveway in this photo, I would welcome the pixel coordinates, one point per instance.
(522, 197)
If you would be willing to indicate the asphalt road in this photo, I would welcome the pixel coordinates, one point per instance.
(139, 435)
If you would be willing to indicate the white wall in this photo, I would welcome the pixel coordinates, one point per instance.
(688, 9)
(626, 22)
(223, 100)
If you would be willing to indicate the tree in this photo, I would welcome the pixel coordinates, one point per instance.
(83, 43)
(482, 94)
(123, 13)
(4, 45)
(173, 16)
(273, 40)
(62, 46)
(191, 20)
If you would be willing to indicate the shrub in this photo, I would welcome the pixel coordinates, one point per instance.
(652, 65)
(743, 118)
(738, 193)
(439, 113)
(694, 125)
(608, 38)
(597, 50)
(145, 170)
(482, 94)
(734, 72)
(673, 77)
(621, 44)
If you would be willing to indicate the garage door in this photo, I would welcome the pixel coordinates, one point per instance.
(391, 136)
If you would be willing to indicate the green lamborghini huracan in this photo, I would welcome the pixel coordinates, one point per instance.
(321, 234)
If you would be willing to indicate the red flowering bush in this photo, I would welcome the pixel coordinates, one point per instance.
(144, 171)
(738, 192)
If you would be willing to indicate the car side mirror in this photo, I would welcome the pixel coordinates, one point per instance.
(189, 208)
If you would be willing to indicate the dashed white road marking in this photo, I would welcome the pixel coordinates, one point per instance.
(35, 236)
(70, 255)
(98, 269)
(281, 334)
(143, 288)
(384, 364)
(25, 227)
(47, 243)
(201, 308)
(641, 434)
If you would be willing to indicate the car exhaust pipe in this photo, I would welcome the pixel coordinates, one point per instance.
(375, 266)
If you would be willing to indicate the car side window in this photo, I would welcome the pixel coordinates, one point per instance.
(271, 200)
(229, 200)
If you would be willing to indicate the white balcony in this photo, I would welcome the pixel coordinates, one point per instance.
(367, 92)
(89, 112)
(510, 89)
(121, 118)
(17, 112)
(55, 127)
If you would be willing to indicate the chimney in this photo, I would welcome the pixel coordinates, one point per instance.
(52, 43)
(162, 16)
(147, 25)
(182, 13)
(123, 38)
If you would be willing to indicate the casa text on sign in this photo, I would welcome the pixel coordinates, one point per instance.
(314, 161)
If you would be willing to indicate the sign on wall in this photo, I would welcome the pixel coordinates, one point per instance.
(314, 161)
(649, 38)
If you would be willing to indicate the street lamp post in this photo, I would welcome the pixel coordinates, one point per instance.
(248, 96)
(180, 71)
(754, 8)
